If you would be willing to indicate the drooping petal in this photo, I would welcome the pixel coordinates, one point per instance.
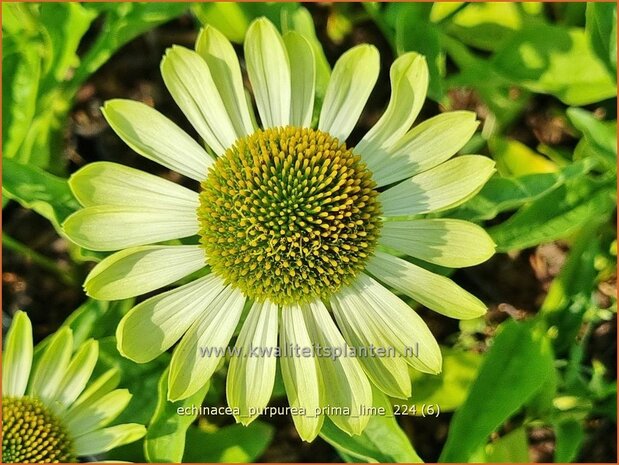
(112, 227)
(153, 326)
(251, 375)
(102, 440)
(434, 291)
(409, 82)
(139, 270)
(155, 137)
(52, 366)
(189, 81)
(223, 63)
(446, 242)
(346, 385)
(399, 324)
(425, 146)
(300, 373)
(191, 365)
(269, 73)
(303, 78)
(17, 357)
(98, 414)
(352, 81)
(444, 186)
(77, 376)
(385, 368)
(106, 183)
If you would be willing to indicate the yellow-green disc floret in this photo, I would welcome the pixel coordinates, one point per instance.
(33, 434)
(288, 214)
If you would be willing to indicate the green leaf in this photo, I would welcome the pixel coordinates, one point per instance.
(501, 194)
(511, 448)
(557, 214)
(601, 29)
(513, 158)
(382, 440)
(448, 389)
(601, 136)
(38, 190)
(515, 367)
(569, 435)
(413, 33)
(231, 444)
(165, 437)
(557, 61)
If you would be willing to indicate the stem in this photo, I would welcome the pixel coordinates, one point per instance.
(38, 259)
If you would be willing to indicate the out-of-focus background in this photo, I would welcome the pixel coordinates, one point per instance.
(535, 380)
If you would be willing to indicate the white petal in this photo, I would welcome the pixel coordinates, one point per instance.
(111, 227)
(98, 414)
(352, 81)
(423, 147)
(444, 186)
(106, 183)
(189, 80)
(300, 373)
(409, 82)
(401, 325)
(363, 331)
(346, 385)
(52, 366)
(95, 391)
(251, 375)
(190, 367)
(17, 356)
(77, 375)
(223, 63)
(153, 326)
(99, 441)
(303, 75)
(269, 72)
(155, 137)
(446, 242)
(139, 270)
(434, 291)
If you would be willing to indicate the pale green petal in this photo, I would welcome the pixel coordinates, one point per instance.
(111, 227)
(52, 366)
(362, 330)
(269, 73)
(139, 270)
(105, 383)
(99, 441)
(303, 75)
(352, 81)
(189, 80)
(98, 414)
(251, 375)
(190, 368)
(425, 146)
(106, 183)
(434, 291)
(409, 82)
(446, 242)
(17, 357)
(444, 186)
(400, 324)
(155, 137)
(77, 375)
(153, 326)
(223, 63)
(346, 385)
(300, 373)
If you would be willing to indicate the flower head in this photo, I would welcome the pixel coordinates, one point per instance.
(294, 228)
(55, 415)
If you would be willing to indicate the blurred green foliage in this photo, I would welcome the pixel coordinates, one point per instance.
(507, 55)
